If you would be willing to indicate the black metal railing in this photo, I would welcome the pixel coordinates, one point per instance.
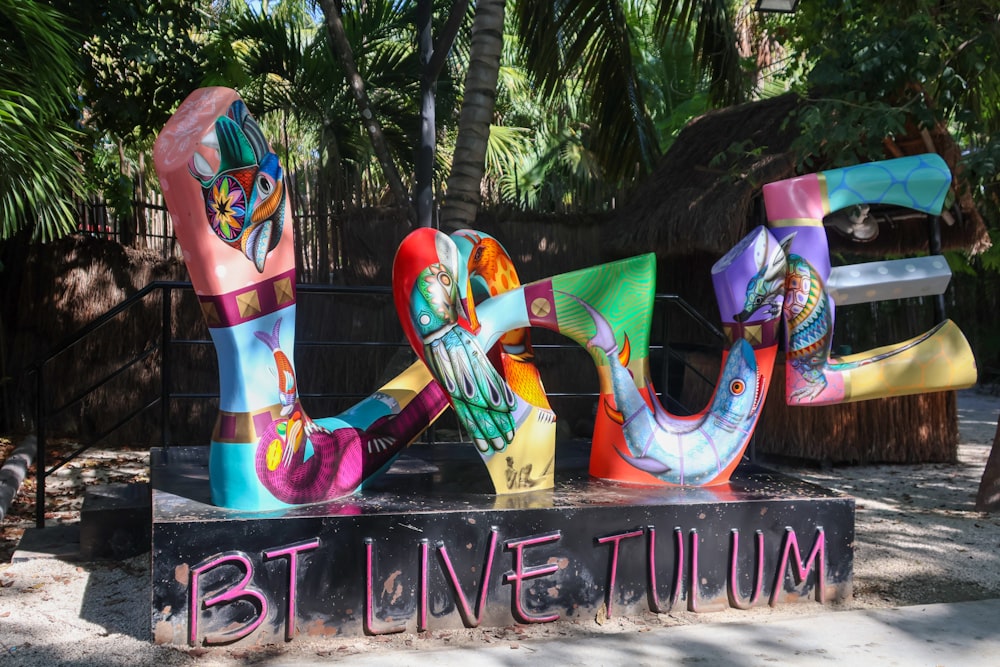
(167, 345)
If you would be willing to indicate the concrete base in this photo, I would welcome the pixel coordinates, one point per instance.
(427, 546)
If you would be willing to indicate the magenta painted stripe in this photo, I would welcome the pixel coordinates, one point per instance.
(541, 304)
(249, 303)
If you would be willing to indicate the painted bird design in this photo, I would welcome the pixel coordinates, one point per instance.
(245, 196)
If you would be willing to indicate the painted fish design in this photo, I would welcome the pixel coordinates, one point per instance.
(688, 452)
(288, 392)
(245, 196)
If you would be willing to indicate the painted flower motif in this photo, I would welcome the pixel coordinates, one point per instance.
(226, 206)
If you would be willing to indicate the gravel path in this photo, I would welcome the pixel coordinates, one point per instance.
(919, 540)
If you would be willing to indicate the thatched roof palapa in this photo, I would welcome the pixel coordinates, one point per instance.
(705, 194)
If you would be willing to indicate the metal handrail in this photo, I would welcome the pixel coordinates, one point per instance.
(166, 343)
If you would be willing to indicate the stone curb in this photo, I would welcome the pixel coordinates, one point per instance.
(14, 472)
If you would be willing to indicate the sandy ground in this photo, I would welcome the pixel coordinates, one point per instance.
(919, 540)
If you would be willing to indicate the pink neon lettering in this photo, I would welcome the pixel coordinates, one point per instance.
(422, 613)
(654, 594)
(520, 573)
(801, 569)
(616, 543)
(369, 618)
(463, 602)
(694, 584)
(758, 580)
(292, 551)
(241, 591)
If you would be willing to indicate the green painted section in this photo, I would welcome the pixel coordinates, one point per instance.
(621, 291)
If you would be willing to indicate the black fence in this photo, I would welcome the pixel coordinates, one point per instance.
(163, 390)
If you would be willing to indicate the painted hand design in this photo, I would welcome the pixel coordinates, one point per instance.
(481, 399)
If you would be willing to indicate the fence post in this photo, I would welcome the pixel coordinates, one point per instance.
(165, 339)
(40, 453)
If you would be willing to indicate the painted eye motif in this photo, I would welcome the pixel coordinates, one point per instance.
(737, 387)
(264, 185)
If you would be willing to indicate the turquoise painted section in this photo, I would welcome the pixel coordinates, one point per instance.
(233, 478)
(500, 314)
(919, 182)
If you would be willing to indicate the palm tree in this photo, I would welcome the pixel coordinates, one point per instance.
(39, 171)
(593, 42)
(463, 194)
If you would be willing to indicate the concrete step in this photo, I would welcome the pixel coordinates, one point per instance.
(115, 521)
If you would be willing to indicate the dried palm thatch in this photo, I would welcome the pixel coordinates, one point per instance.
(701, 197)
(67, 285)
(922, 428)
(541, 245)
(705, 194)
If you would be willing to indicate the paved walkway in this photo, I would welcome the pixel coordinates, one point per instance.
(965, 634)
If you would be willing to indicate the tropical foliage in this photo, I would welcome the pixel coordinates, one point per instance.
(875, 70)
(583, 97)
(38, 166)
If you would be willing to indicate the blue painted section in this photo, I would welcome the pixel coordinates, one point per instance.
(248, 379)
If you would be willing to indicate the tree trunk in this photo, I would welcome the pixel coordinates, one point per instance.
(424, 176)
(463, 194)
(432, 60)
(342, 51)
(126, 223)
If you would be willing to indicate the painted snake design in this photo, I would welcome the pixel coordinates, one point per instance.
(300, 460)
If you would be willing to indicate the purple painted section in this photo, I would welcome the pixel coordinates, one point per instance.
(811, 244)
(732, 274)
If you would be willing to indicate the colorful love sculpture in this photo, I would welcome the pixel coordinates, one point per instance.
(607, 309)
(467, 315)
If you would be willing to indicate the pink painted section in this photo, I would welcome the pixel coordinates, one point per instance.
(215, 268)
(800, 197)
